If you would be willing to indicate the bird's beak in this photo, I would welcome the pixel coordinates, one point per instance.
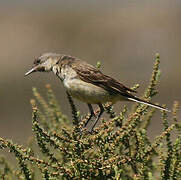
(31, 70)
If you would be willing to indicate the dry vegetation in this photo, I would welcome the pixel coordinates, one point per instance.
(118, 149)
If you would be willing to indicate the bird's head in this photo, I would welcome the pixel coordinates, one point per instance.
(44, 63)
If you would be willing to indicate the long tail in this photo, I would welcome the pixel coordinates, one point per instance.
(135, 99)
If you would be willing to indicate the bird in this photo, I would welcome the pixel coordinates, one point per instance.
(86, 82)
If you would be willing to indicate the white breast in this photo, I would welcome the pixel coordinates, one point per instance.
(82, 90)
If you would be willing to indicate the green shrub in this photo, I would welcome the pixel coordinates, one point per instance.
(119, 148)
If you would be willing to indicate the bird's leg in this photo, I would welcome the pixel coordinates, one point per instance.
(98, 117)
(91, 114)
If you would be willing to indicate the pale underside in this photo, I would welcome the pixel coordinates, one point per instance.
(90, 93)
(84, 91)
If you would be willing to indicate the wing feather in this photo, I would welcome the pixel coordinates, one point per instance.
(90, 74)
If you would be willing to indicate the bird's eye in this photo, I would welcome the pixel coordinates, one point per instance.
(37, 61)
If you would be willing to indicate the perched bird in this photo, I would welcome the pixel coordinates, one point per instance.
(85, 82)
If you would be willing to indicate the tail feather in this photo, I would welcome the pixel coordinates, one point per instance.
(135, 99)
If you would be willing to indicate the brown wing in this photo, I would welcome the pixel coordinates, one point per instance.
(92, 75)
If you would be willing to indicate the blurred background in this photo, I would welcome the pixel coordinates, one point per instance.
(124, 35)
